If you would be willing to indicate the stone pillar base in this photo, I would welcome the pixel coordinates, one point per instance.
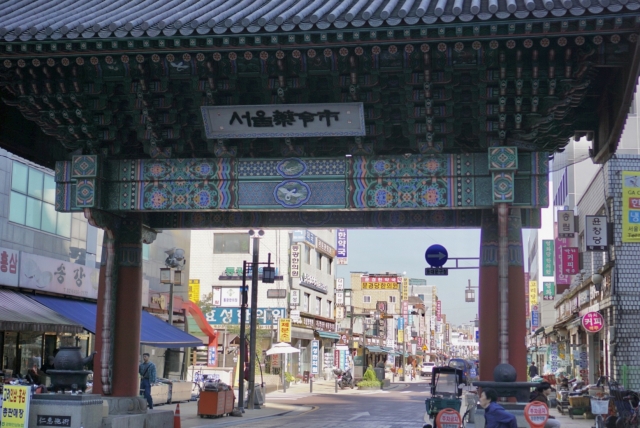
(126, 405)
(516, 409)
(84, 410)
(132, 412)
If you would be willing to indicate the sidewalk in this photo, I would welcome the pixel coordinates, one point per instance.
(329, 387)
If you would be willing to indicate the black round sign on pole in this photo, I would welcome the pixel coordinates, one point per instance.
(436, 255)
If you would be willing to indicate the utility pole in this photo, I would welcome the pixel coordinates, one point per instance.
(243, 345)
(254, 320)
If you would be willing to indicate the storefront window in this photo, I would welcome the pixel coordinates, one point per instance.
(9, 350)
(30, 350)
(305, 302)
(307, 255)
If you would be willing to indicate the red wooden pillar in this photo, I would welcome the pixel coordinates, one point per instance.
(489, 299)
(119, 308)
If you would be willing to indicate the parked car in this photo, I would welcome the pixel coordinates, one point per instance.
(426, 369)
(463, 365)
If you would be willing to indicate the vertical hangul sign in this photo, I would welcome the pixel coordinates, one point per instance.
(341, 247)
(566, 224)
(596, 233)
(294, 297)
(630, 206)
(559, 244)
(570, 261)
(315, 357)
(15, 406)
(533, 293)
(526, 294)
(284, 330)
(405, 311)
(548, 291)
(405, 288)
(9, 267)
(548, 257)
(439, 310)
(295, 261)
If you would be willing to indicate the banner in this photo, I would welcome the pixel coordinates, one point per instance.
(194, 290)
(548, 291)
(630, 206)
(315, 357)
(570, 261)
(284, 330)
(56, 276)
(15, 406)
(548, 256)
(341, 251)
(295, 261)
(533, 293)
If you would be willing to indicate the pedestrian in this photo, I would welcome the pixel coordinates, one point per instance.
(147, 371)
(533, 370)
(495, 415)
(542, 393)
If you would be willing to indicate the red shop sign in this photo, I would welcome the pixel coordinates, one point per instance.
(448, 418)
(536, 413)
(592, 322)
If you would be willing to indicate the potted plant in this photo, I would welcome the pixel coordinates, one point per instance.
(369, 380)
(288, 378)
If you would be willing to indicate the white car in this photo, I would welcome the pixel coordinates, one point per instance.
(426, 369)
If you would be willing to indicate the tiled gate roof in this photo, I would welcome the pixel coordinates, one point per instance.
(71, 19)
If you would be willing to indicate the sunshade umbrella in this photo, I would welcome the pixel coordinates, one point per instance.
(282, 348)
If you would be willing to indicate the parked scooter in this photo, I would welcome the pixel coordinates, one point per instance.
(345, 379)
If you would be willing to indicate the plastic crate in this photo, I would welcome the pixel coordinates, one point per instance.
(434, 405)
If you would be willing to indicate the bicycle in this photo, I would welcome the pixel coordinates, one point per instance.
(600, 407)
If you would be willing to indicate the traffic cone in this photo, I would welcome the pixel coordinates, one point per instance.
(176, 417)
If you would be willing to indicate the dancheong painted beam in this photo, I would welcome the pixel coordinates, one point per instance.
(346, 183)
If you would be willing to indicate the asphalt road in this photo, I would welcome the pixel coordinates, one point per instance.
(378, 409)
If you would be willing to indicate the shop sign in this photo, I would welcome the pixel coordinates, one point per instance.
(9, 260)
(231, 316)
(230, 296)
(405, 288)
(561, 278)
(566, 224)
(596, 233)
(212, 353)
(547, 257)
(194, 290)
(340, 284)
(381, 306)
(592, 322)
(439, 310)
(449, 418)
(548, 291)
(295, 261)
(325, 248)
(284, 330)
(405, 311)
(526, 294)
(341, 251)
(158, 301)
(315, 357)
(400, 336)
(312, 283)
(216, 299)
(339, 313)
(344, 339)
(294, 297)
(535, 320)
(570, 265)
(304, 236)
(284, 121)
(339, 297)
(15, 406)
(583, 297)
(56, 276)
(630, 206)
(379, 282)
(533, 293)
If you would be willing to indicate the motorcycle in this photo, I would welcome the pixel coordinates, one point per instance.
(344, 378)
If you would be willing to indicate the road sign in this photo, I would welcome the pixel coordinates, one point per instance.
(436, 255)
(536, 413)
(437, 271)
(424, 347)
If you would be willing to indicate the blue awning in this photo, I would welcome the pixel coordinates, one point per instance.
(374, 349)
(153, 331)
(328, 335)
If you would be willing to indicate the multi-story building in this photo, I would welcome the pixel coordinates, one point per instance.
(50, 262)
(303, 289)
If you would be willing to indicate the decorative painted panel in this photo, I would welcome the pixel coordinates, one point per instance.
(503, 158)
(377, 183)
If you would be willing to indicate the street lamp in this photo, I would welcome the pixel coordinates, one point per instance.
(469, 293)
(175, 260)
(596, 278)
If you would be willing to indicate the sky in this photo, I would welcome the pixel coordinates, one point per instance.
(402, 250)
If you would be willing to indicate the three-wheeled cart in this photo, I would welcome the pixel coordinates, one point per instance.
(446, 392)
(215, 402)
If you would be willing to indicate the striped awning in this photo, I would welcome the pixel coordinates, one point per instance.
(20, 313)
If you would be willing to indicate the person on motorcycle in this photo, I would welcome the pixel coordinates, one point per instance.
(494, 414)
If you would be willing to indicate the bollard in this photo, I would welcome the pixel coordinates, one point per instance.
(394, 377)
(336, 386)
(310, 385)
